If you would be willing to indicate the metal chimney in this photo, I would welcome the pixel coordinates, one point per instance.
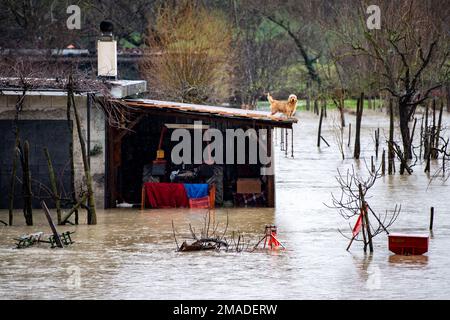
(107, 52)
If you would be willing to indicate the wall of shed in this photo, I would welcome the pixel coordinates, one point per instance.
(54, 108)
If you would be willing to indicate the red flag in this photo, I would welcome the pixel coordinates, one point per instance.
(357, 227)
(273, 242)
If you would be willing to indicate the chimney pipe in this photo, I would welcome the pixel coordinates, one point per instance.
(107, 52)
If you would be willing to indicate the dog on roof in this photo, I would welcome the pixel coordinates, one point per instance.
(287, 108)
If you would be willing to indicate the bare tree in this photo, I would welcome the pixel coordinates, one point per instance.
(192, 45)
(295, 18)
(411, 43)
(338, 132)
(42, 24)
(261, 55)
(352, 202)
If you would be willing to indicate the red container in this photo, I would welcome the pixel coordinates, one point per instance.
(408, 244)
(199, 203)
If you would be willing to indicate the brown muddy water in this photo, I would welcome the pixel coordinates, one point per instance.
(131, 254)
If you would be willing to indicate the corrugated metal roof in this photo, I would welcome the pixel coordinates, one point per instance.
(215, 111)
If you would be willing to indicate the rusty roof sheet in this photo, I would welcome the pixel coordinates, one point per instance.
(216, 111)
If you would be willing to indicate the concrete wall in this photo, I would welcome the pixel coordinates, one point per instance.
(41, 107)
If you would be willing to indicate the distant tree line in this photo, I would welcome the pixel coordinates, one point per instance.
(238, 50)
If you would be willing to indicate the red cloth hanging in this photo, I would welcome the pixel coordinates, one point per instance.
(273, 241)
(357, 227)
(166, 195)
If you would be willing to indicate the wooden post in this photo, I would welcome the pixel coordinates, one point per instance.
(13, 180)
(270, 178)
(421, 139)
(316, 107)
(292, 141)
(276, 135)
(377, 141)
(51, 173)
(74, 209)
(359, 113)
(92, 217)
(26, 184)
(438, 129)
(319, 134)
(434, 153)
(431, 218)
(52, 225)
(143, 197)
(383, 163)
(349, 134)
(391, 139)
(287, 144)
(428, 159)
(71, 162)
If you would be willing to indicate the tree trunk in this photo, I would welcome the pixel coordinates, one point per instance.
(341, 111)
(448, 98)
(92, 217)
(72, 165)
(359, 113)
(366, 223)
(404, 113)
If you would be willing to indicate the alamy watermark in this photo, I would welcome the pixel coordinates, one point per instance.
(373, 22)
(74, 279)
(230, 148)
(73, 22)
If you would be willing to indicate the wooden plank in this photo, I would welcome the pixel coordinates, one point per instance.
(207, 116)
(270, 178)
(52, 225)
(217, 113)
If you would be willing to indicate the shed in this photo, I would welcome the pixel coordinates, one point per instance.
(134, 147)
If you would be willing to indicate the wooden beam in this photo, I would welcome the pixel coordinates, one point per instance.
(209, 116)
(270, 178)
(52, 225)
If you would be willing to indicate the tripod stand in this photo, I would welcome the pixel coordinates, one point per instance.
(270, 239)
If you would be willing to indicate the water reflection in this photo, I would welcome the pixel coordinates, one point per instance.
(421, 260)
(362, 264)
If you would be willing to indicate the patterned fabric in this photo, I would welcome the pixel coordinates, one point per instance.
(250, 200)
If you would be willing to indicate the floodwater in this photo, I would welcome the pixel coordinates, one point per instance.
(131, 254)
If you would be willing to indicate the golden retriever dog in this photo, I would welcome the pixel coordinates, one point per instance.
(288, 107)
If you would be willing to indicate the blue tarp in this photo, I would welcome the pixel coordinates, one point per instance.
(198, 190)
